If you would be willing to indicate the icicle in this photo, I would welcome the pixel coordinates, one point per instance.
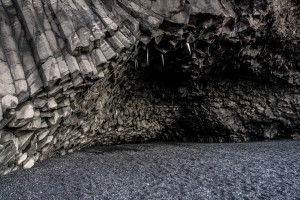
(147, 56)
(189, 48)
(136, 65)
(163, 60)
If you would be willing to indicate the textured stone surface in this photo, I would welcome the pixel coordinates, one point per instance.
(79, 73)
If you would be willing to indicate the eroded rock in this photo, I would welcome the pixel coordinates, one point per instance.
(24, 114)
(79, 73)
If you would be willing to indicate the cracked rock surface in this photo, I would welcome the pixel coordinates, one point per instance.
(79, 73)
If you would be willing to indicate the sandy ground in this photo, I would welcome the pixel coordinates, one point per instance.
(258, 170)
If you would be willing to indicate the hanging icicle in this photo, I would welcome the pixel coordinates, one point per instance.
(136, 65)
(189, 47)
(163, 60)
(147, 56)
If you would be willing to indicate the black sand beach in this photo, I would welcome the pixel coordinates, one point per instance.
(257, 170)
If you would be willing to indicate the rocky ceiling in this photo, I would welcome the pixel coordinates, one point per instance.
(76, 73)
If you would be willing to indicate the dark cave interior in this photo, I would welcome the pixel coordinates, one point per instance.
(109, 72)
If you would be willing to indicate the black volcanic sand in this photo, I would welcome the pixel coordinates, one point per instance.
(257, 170)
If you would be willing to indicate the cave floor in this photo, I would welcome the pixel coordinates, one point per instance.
(159, 170)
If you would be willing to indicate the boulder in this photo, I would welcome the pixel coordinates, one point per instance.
(6, 136)
(22, 158)
(24, 114)
(28, 163)
(9, 102)
(24, 140)
(8, 152)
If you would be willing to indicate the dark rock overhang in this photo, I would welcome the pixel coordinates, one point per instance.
(80, 73)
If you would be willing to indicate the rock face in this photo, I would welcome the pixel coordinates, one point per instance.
(80, 73)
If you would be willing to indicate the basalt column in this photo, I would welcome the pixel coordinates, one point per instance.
(76, 73)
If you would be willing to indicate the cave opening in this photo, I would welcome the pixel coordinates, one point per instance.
(108, 72)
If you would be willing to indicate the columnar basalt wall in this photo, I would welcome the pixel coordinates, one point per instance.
(77, 73)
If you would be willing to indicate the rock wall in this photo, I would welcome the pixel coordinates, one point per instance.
(80, 73)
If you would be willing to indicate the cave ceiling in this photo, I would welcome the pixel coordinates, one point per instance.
(77, 73)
